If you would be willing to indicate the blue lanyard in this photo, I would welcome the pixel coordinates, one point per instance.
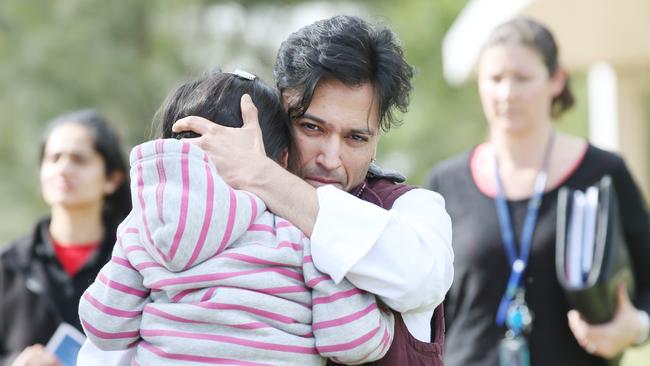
(518, 263)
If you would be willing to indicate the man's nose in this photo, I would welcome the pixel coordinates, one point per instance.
(329, 156)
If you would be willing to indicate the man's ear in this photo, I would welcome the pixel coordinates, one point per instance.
(113, 182)
(289, 98)
(284, 159)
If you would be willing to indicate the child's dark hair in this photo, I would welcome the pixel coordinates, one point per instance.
(216, 97)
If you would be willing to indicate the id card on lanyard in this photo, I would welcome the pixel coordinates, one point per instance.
(518, 263)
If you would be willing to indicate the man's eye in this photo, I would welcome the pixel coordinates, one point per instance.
(359, 138)
(310, 126)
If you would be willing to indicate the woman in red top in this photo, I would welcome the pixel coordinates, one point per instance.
(43, 274)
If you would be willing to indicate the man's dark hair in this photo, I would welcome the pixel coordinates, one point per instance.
(350, 50)
(217, 97)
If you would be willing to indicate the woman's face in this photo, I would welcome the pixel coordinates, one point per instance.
(515, 87)
(73, 174)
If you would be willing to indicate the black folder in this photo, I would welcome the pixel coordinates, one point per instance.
(595, 298)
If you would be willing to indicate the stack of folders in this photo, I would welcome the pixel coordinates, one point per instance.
(591, 256)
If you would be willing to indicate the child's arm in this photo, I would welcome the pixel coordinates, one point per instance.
(187, 212)
(349, 325)
(111, 309)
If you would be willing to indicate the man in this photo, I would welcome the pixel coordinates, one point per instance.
(341, 80)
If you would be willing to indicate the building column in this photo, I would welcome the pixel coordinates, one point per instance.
(617, 117)
(634, 126)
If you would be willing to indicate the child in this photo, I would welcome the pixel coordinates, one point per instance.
(203, 273)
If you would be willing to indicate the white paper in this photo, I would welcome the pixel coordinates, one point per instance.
(574, 242)
(589, 232)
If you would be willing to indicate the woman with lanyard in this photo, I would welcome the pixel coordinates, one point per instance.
(43, 274)
(502, 198)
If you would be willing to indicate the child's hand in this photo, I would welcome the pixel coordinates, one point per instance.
(237, 153)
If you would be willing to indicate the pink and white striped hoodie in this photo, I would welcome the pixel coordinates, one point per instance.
(202, 273)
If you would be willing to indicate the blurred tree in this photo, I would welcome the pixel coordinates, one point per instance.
(123, 57)
(60, 56)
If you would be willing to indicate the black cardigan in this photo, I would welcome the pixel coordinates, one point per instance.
(36, 294)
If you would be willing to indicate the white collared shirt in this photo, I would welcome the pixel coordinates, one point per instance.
(403, 255)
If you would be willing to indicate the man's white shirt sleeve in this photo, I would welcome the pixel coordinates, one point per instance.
(402, 255)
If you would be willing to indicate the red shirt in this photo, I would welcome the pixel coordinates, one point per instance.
(73, 257)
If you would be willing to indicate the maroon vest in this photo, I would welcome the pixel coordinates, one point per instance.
(405, 350)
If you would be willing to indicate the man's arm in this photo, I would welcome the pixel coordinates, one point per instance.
(403, 255)
(403, 249)
(285, 194)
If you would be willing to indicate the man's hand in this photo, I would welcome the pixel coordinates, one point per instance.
(35, 355)
(609, 339)
(238, 153)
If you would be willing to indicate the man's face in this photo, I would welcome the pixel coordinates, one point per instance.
(337, 136)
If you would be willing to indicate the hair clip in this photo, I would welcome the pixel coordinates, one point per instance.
(243, 74)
